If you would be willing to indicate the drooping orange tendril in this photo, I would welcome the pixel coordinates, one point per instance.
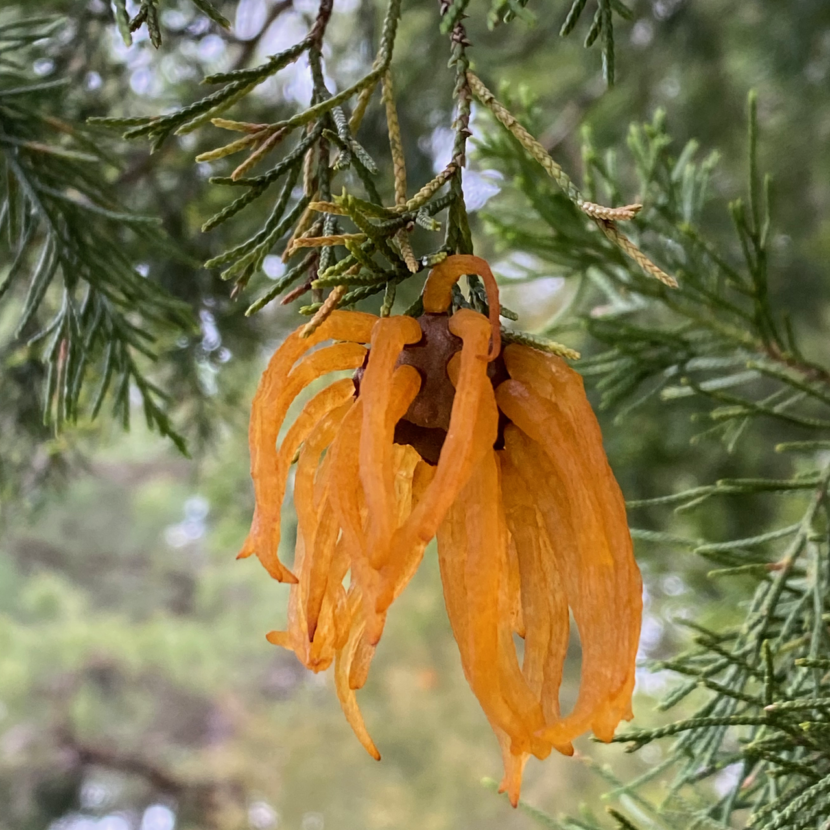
(350, 497)
(316, 521)
(592, 539)
(474, 404)
(326, 400)
(588, 587)
(318, 577)
(346, 496)
(590, 577)
(349, 504)
(313, 553)
(473, 559)
(316, 531)
(404, 386)
(357, 655)
(273, 397)
(565, 403)
(565, 390)
(317, 636)
(544, 602)
(437, 295)
(270, 407)
(328, 406)
(389, 336)
(408, 485)
(498, 689)
(342, 667)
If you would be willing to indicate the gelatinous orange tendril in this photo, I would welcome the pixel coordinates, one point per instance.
(438, 291)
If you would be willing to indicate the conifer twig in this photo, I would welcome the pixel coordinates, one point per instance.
(604, 217)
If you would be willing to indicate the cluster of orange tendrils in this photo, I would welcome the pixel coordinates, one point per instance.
(499, 455)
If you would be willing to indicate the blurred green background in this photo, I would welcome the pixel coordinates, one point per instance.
(136, 686)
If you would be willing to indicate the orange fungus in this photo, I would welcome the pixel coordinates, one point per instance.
(441, 433)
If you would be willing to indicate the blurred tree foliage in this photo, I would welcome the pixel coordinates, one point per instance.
(136, 690)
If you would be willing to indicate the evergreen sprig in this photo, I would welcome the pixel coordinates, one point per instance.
(80, 302)
(148, 14)
(296, 223)
(601, 28)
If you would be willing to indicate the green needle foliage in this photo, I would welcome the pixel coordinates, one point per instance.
(762, 686)
(148, 15)
(83, 306)
(600, 30)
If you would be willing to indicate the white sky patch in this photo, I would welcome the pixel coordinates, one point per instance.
(519, 265)
(262, 816)
(296, 82)
(273, 266)
(250, 18)
(480, 186)
(438, 145)
(535, 302)
(211, 48)
(158, 817)
(287, 30)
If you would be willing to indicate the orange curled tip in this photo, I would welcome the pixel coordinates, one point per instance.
(512, 785)
(248, 546)
(374, 627)
(278, 638)
(276, 569)
(280, 572)
(438, 291)
(562, 746)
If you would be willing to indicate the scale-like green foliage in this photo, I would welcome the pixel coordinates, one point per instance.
(83, 306)
(148, 15)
